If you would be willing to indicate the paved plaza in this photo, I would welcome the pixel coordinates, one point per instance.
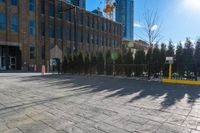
(30, 103)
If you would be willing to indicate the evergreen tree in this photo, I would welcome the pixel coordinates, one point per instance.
(93, 64)
(109, 63)
(75, 64)
(100, 63)
(156, 59)
(70, 64)
(86, 64)
(170, 50)
(149, 61)
(119, 58)
(139, 57)
(179, 59)
(197, 56)
(128, 60)
(149, 55)
(118, 63)
(163, 51)
(80, 63)
(188, 55)
(139, 62)
(65, 65)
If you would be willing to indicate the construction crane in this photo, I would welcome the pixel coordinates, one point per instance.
(109, 9)
(100, 2)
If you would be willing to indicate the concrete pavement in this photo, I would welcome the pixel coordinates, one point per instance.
(90, 104)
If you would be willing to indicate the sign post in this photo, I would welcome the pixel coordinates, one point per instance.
(170, 71)
(170, 61)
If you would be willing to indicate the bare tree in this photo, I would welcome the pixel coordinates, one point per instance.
(152, 26)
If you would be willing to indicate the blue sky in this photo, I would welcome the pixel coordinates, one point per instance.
(180, 18)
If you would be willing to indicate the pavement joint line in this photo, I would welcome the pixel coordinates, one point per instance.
(20, 130)
(187, 116)
(48, 125)
(103, 122)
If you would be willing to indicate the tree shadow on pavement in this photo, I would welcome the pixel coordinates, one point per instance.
(123, 87)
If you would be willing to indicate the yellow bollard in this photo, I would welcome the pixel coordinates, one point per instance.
(170, 71)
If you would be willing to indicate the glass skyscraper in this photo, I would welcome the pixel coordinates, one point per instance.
(80, 3)
(125, 15)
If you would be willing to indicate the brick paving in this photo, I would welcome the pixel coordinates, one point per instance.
(92, 104)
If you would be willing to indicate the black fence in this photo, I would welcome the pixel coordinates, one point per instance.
(145, 71)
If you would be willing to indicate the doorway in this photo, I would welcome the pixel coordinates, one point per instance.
(12, 63)
(55, 65)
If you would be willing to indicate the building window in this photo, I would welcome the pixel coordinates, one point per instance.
(67, 33)
(32, 52)
(60, 14)
(81, 18)
(88, 37)
(88, 21)
(105, 27)
(52, 8)
(92, 38)
(52, 29)
(59, 30)
(72, 18)
(14, 24)
(82, 36)
(100, 25)
(98, 36)
(42, 6)
(68, 15)
(103, 41)
(114, 29)
(108, 26)
(14, 2)
(32, 27)
(113, 42)
(93, 22)
(43, 29)
(2, 22)
(70, 34)
(79, 35)
(32, 5)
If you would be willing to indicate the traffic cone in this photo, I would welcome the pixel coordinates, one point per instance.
(35, 68)
(43, 70)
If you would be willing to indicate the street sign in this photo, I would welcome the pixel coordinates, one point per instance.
(169, 60)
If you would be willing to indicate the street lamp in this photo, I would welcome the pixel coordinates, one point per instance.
(23, 49)
(75, 27)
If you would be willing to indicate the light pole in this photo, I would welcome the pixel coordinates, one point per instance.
(23, 49)
(75, 27)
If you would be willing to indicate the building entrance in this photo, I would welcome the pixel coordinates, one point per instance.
(55, 65)
(12, 63)
(10, 58)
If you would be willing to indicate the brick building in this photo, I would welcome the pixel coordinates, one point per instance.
(135, 46)
(37, 31)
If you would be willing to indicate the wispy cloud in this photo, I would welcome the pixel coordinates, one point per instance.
(137, 25)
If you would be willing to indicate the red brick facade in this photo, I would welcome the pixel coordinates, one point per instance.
(93, 33)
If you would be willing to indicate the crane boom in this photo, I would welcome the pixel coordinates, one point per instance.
(109, 9)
